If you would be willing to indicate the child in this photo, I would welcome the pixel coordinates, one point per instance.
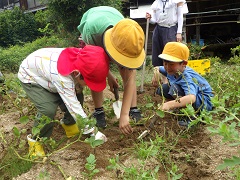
(49, 77)
(123, 40)
(82, 44)
(185, 84)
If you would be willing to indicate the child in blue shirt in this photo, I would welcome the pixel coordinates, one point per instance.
(185, 86)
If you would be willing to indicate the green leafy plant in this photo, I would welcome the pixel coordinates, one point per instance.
(235, 59)
(43, 175)
(69, 12)
(224, 119)
(135, 171)
(173, 173)
(195, 52)
(90, 167)
(10, 61)
(12, 23)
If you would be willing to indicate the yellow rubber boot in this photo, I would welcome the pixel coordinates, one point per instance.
(35, 148)
(70, 130)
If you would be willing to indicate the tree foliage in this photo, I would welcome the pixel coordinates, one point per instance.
(17, 27)
(69, 12)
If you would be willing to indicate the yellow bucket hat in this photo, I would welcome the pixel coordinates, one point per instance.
(175, 52)
(124, 43)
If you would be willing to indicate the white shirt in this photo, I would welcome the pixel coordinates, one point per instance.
(40, 67)
(165, 12)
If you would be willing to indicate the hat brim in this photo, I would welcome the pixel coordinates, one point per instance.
(129, 62)
(82, 60)
(66, 59)
(170, 58)
(96, 86)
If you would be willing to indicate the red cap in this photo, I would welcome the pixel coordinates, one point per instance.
(91, 61)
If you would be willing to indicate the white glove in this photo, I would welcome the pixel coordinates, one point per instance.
(100, 136)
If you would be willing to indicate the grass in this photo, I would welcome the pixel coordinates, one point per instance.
(12, 166)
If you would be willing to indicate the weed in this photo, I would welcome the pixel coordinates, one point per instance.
(188, 157)
(43, 175)
(172, 174)
(135, 171)
(195, 52)
(10, 165)
(236, 55)
(90, 166)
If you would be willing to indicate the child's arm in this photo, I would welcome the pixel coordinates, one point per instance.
(112, 81)
(156, 79)
(180, 21)
(181, 102)
(159, 76)
(129, 98)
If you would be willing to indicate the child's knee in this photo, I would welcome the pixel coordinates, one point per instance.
(163, 90)
(176, 91)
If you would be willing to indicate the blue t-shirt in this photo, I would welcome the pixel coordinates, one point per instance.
(192, 83)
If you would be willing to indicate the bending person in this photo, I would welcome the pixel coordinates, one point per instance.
(49, 77)
(123, 40)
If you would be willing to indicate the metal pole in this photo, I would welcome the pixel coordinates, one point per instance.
(144, 63)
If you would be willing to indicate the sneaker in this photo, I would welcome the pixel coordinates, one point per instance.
(100, 117)
(135, 114)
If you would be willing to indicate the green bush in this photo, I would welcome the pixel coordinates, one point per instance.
(236, 55)
(69, 12)
(11, 58)
(195, 52)
(17, 27)
(46, 25)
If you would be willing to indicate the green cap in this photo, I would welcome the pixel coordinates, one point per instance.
(95, 22)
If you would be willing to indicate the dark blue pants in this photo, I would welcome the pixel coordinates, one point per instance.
(161, 36)
(170, 92)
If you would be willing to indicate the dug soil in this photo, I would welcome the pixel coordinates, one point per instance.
(195, 152)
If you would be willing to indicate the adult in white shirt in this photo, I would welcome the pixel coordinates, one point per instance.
(168, 17)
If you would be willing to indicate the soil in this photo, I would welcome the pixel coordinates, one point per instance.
(196, 153)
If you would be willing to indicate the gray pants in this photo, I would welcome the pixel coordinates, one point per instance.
(161, 36)
(47, 103)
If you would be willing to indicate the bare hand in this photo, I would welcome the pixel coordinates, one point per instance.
(148, 16)
(124, 125)
(165, 107)
(155, 83)
(179, 37)
(156, 77)
(112, 82)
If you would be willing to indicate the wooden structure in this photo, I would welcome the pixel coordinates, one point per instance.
(216, 21)
(29, 5)
(210, 21)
